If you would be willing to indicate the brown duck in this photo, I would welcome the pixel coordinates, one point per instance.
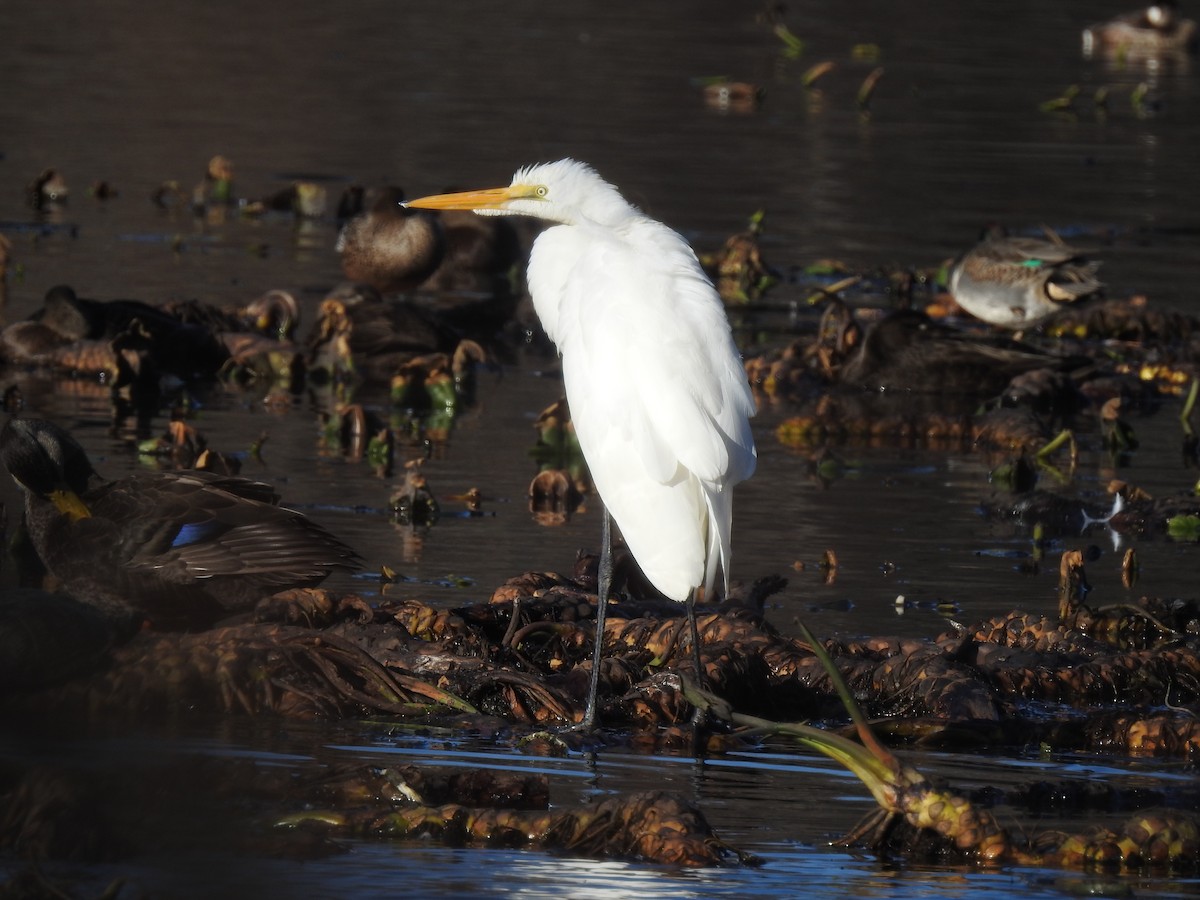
(179, 549)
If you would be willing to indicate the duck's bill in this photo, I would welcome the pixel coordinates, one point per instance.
(69, 504)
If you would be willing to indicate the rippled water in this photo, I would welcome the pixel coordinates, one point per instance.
(781, 805)
(428, 94)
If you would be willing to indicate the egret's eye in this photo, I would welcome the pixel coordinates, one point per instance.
(542, 191)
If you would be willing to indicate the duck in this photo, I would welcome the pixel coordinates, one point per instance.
(1155, 31)
(215, 189)
(168, 550)
(909, 352)
(481, 253)
(358, 330)
(396, 249)
(1015, 282)
(389, 247)
(303, 199)
(261, 340)
(77, 318)
(75, 333)
(273, 314)
(49, 189)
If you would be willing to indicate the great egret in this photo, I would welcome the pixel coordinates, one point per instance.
(179, 548)
(658, 395)
(1015, 282)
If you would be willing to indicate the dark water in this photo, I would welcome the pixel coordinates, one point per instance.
(429, 94)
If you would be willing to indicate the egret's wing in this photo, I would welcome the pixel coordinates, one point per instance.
(644, 319)
(705, 406)
(717, 405)
(657, 392)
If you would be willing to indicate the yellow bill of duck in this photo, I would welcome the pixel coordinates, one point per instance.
(169, 549)
(69, 504)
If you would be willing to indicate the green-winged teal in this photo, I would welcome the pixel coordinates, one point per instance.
(1016, 282)
(1156, 31)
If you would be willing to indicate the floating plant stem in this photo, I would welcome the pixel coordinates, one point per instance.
(874, 764)
(1066, 436)
(1042, 456)
(867, 89)
(1062, 103)
(1189, 404)
(843, 691)
(875, 774)
(866, 52)
(793, 47)
(899, 790)
(814, 73)
(1137, 98)
(831, 291)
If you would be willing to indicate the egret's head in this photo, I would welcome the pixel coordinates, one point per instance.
(565, 191)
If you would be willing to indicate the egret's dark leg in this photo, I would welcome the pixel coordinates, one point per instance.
(700, 714)
(604, 585)
(694, 628)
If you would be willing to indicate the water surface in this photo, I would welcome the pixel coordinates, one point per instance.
(430, 94)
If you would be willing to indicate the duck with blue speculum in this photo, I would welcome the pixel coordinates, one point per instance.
(174, 549)
(1017, 281)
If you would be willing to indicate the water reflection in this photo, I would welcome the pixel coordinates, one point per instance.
(431, 94)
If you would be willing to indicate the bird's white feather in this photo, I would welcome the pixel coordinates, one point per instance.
(657, 392)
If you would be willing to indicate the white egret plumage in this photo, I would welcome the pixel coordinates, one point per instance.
(656, 388)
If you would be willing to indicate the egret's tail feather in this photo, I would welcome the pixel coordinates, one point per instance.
(720, 539)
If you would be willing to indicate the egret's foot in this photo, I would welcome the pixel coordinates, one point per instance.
(709, 707)
(580, 727)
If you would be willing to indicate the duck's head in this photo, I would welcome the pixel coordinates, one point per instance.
(1161, 14)
(46, 461)
(276, 313)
